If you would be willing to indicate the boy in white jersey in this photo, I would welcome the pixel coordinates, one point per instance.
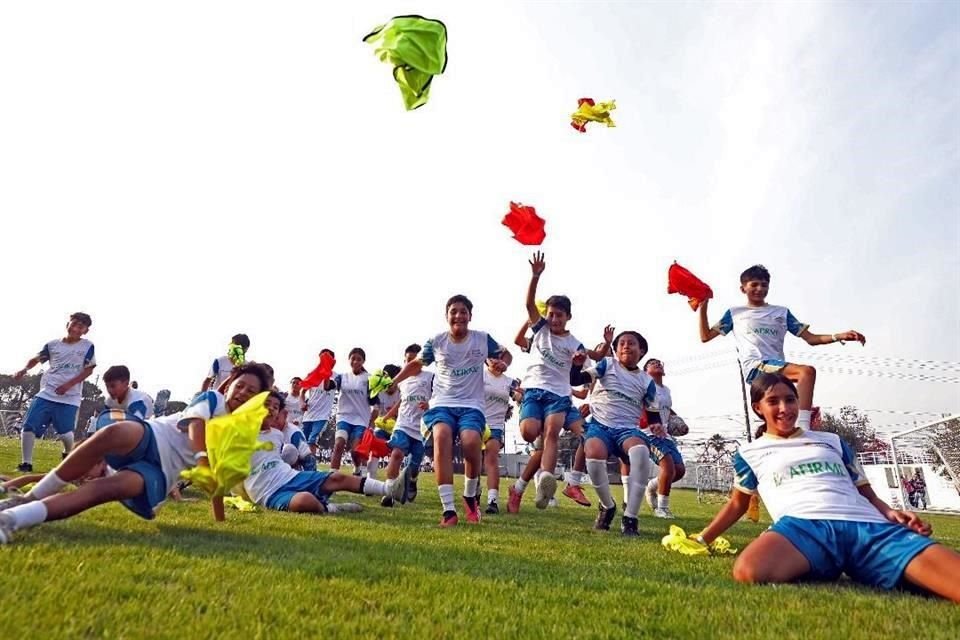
(293, 403)
(498, 390)
(147, 457)
(317, 406)
(546, 396)
(406, 441)
(458, 401)
(385, 401)
(827, 518)
(61, 388)
(354, 409)
(222, 367)
(621, 394)
(123, 401)
(663, 450)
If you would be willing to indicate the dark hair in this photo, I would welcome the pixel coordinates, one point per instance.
(464, 300)
(413, 348)
(649, 360)
(116, 373)
(296, 379)
(357, 351)
(330, 351)
(82, 317)
(242, 340)
(391, 370)
(559, 302)
(756, 272)
(763, 383)
(279, 396)
(635, 334)
(262, 372)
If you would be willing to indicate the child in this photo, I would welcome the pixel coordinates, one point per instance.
(222, 366)
(457, 407)
(827, 518)
(663, 450)
(61, 388)
(293, 402)
(621, 393)
(274, 484)
(406, 441)
(385, 402)
(317, 407)
(354, 413)
(498, 390)
(122, 396)
(147, 456)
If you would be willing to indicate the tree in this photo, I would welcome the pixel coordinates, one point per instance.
(15, 395)
(853, 428)
(945, 447)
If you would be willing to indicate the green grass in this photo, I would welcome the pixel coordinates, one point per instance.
(392, 573)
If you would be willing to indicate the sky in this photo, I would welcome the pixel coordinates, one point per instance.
(184, 171)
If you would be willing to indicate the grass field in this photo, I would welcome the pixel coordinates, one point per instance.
(392, 573)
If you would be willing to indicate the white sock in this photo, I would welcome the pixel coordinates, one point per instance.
(654, 484)
(601, 482)
(67, 440)
(625, 483)
(639, 476)
(373, 487)
(574, 478)
(49, 485)
(493, 495)
(663, 502)
(803, 420)
(470, 487)
(27, 438)
(536, 477)
(373, 464)
(446, 496)
(28, 515)
(520, 485)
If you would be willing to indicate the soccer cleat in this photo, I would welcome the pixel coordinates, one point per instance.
(344, 507)
(604, 518)
(395, 489)
(513, 501)
(6, 528)
(651, 494)
(25, 467)
(576, 494)
(628, 527)
(386, 501)
(753, 509)
(14, 500)
(553, 504)
(412, 490)
(493, 508)
(405, 481)
(473, 510)
(448, 519)
(666, 514)
(546, 489)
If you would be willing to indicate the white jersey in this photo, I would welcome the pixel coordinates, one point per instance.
(353, 405)
(665, 403)
(319, 404)
(496, 390)
(413, 391)
(759, 332)
(553, 358)
(268, 471)
(292, 405)
(136, 402)
(620, 395)
(220, 370)
(812, 475)
(66, 360)
(387, 400)
(173, 443)
(293, 435)
(460, 366)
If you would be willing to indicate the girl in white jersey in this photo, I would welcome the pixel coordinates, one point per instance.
(354, 413)
(498, 390)
(827, 518)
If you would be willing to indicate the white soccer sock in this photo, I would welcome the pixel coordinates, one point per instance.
(803, 419)
(373, 487)
(493, 495)
(49, 485)
(27, 438)
(663, 502)
(470, 487)
(601, 482)
(574, 479)
(536, 477)
(625, 483)
(639, 476)
(67, 440)
(28, 515)
(372, 465)
(446, 496)
(520, 485)
(654, 484)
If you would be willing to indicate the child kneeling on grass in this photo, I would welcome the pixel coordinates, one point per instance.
(827, 518)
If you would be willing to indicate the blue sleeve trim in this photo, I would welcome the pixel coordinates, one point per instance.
(725, 325)
(138, 408)
(794, 326)
(601, 368)
(745, 477)
(87, 359)
(427, 356)
(44, 354)
(539, 324)
(493, 347)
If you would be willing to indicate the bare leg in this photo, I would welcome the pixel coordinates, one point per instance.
(531, 429)
(119, 486)
(470, 446)
(665, 475)
(304, 502)
(338, 448)
(443, 453)
(770, 558)
(532, 466)
(117, 439)
(491, 460)
(936, 569)
(396, 460)
(552, 427)
(804, 376)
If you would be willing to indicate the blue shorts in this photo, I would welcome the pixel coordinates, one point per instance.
(354, 431)
(380, 434)
(303, 482)
(144, 460)
(459, 419)
(497, 434)
(573, 416)
(409, 446)
(872, 553)
(313, 429)
(766, 366)
(661, 448)
(613, 439)
(539, 403)
(43, 413)
(108, 417)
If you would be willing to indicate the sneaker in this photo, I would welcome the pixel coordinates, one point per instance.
(25, 467)
(386, 501)
(553, 504)
(473, 511)
(15, 500)
(395, 489)
(546, 489)
(513, 501)
(412, 490)
(666, 514)
(629, 527)
(405, 481)
(493, 508)
(604, 518)
(576, 494)
(6, 528)
(344, 507)
(651, 494)
(448, 519)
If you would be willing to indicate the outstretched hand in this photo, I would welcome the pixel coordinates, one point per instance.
(579, 358)
(537, 264)
(608, 332)
(850, 336)
(910, 520)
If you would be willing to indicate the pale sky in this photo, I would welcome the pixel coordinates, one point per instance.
(184, 171)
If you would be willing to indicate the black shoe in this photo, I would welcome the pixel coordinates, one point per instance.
(25, 467)
(629, 527)
(493, 509)
(412, 491)
(605, 518)
(386, 501)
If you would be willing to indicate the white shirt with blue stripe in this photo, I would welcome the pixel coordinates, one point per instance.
(413, 391)
(319, 404)
(553, 358)
(460, 366)
(220, 370)
(353, 404)
(66, 360)
(268, 471)
(620, 395)
(135, 402)
(759, 332)
(497, 390)
(173, 441)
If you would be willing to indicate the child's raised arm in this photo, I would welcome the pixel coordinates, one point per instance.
(537, 265)
(815, 339)
(706, 332)
(602, 350)
(521, 339)
(197, 432)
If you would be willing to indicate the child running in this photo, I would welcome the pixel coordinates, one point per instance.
(354, 409)
(498, 390)
(663, 450)
(293, 403)
(827, 518)
(317, 407)
(222, 366)
(61, 388)
(458, 402)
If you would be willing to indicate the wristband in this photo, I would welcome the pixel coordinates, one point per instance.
(200, 454)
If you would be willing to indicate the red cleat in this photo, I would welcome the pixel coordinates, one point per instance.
(576, 494)
(473, 511)
(448, 519)
(513, 501)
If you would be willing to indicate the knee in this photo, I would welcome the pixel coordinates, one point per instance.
(808, 373)
(746, 572)
(638, 454)
(680, 471)
(530, 429)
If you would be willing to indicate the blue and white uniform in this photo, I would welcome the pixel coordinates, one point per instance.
(385, 402)
(292, 405)
(272, 483)
(293, 435)
(406, 434)
(808, 482)
(547, 381)
(662, 446)
(759, 333)
(67, 360)
(135, 405)
(353, 404)
(619, 398)
(317, 415)
(220, 370)
(498, 390)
